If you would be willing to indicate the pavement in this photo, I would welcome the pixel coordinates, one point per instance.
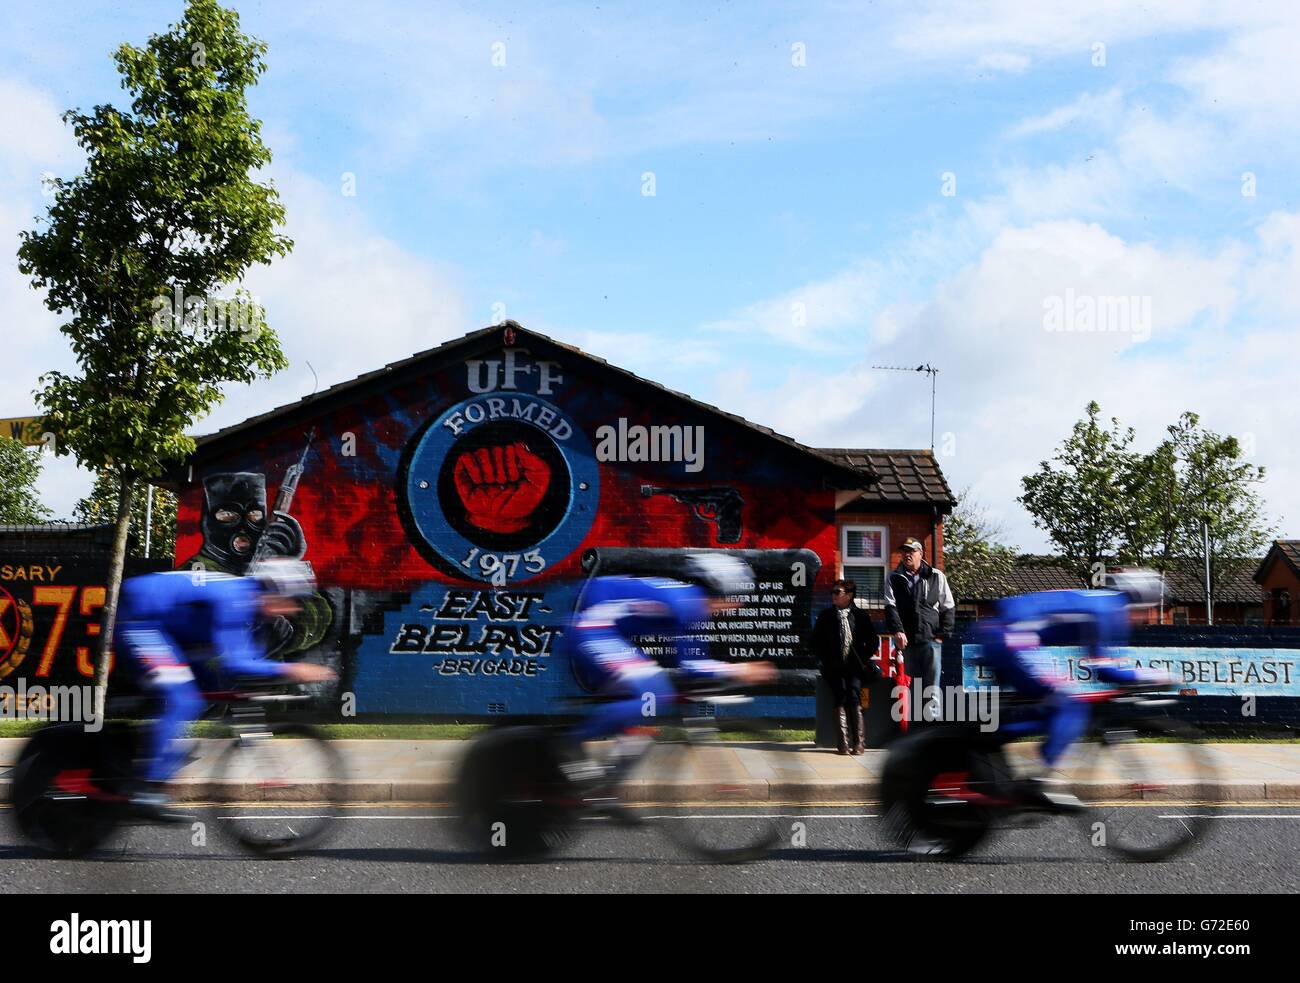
(423, 773)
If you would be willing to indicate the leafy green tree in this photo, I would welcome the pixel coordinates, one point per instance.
(19, 469)
(101, 506)
(166, 209)
(1155, 534)
(1085, 496)
(1219, 508)
(1102, 503)
(972, 555)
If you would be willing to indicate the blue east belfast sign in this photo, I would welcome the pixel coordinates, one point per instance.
(1207, 671)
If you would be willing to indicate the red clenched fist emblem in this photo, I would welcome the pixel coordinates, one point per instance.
(501, 486)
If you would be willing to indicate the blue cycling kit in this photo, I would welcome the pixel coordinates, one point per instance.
(179, 629)
(612, 612)
(1096, 620)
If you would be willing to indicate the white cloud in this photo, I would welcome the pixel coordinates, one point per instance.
(816, 317)
(643, 352)
(1089, 108)
(571, 87)
(1096, 185)
(1181, 149)
(35, 137)
(1254, 78)
(1233, 103)
(1009, 390)
(347, 300)
(35, 143)
(955, 30)
(821, 408)
(1273, 272)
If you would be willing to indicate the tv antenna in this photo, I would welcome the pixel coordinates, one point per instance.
(932, 372)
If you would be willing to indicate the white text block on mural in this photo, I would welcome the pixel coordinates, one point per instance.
(1208, 671)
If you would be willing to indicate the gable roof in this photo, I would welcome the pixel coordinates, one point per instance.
(839, 474)
(1285, 550)
(903, 477)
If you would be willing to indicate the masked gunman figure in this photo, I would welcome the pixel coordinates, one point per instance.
(236, 525)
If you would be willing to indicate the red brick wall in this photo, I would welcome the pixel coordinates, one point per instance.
(1280, 575)
(901, 525)
(349, 505)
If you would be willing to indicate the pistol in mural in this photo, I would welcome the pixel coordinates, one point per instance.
(236, 532)
(719, 505)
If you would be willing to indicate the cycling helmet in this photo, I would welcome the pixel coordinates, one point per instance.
(285, 577)
(1144, 588)
(719, 574)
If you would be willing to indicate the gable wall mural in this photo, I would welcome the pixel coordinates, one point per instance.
(453, 519)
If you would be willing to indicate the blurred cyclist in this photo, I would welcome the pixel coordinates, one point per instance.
(615, 610)
(1096, 620)
(180, 629)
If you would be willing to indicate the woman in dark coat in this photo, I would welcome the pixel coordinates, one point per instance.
(844, 640)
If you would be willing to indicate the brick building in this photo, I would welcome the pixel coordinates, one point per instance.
(1278, 578)
(907, 496)
(455, 503)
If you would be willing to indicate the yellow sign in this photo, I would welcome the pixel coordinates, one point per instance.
(29, 430)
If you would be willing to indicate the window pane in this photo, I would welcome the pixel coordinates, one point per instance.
(870, 582)
(862, 544)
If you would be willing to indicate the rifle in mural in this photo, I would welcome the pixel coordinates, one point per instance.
(284, 496)
(719, 505)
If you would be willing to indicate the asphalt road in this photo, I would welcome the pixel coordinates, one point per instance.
(408, 850)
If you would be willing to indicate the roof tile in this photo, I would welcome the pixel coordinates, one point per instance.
(1186, 585)
(906, 476)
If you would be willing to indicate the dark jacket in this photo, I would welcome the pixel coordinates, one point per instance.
(923, 614)
(866, 643)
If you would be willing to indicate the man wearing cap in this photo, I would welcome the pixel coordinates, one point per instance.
(920, 610)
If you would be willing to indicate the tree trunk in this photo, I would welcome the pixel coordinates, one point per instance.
(116, 562)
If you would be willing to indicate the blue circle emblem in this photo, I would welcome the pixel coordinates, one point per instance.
(502, 487)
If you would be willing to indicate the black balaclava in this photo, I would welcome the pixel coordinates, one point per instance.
(234, 515)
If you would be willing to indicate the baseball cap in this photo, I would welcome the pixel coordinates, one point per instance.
(912, 543)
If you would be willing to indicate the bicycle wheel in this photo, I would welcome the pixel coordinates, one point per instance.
(712, 805)
(1147, 798)
(283, 789)
(512, 801)
(931, 790)
(68, 788)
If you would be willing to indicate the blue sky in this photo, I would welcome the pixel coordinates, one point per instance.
(799, 231)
